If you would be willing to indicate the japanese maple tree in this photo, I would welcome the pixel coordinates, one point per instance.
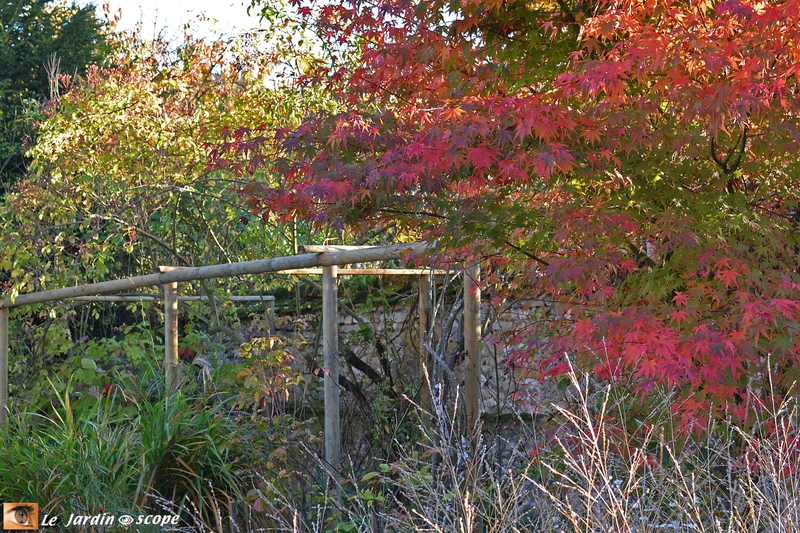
(632, 163)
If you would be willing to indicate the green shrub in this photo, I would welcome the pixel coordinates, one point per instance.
(174, 452)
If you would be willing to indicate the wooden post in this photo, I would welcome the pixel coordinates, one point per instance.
(330, 349)
(172, 369)
(472, 338)
(3, 367)
(270, 305)
(424, 323)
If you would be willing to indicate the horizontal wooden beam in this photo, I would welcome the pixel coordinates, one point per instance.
(344, 257)
(366, 271)
(147, 298)
(107, 298)
(325, 248)
(231, 298)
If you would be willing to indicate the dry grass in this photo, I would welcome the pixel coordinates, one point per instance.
(589, 475)
(728, 481)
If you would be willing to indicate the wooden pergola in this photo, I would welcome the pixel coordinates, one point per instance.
(316, 260)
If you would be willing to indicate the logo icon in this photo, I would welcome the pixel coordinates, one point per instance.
(20, 516)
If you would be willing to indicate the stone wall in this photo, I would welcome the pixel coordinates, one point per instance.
(504, 389)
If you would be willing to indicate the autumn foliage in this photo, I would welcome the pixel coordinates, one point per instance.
(633, 164)
(118, 180)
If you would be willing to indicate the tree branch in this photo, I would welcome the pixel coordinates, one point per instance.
(528, 254)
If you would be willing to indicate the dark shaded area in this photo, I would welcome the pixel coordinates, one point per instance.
(39, 41)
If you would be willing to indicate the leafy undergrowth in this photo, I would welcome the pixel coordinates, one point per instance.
(128, 455)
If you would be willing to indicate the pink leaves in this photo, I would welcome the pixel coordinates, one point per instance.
(679, 316)
(788, 309)
(481, 157)
(728, 277)
(680, 299)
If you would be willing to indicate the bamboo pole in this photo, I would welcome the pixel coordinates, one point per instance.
(3, 367)
(330, 349)
(472, 337)
(424, 323)
(376, 253)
